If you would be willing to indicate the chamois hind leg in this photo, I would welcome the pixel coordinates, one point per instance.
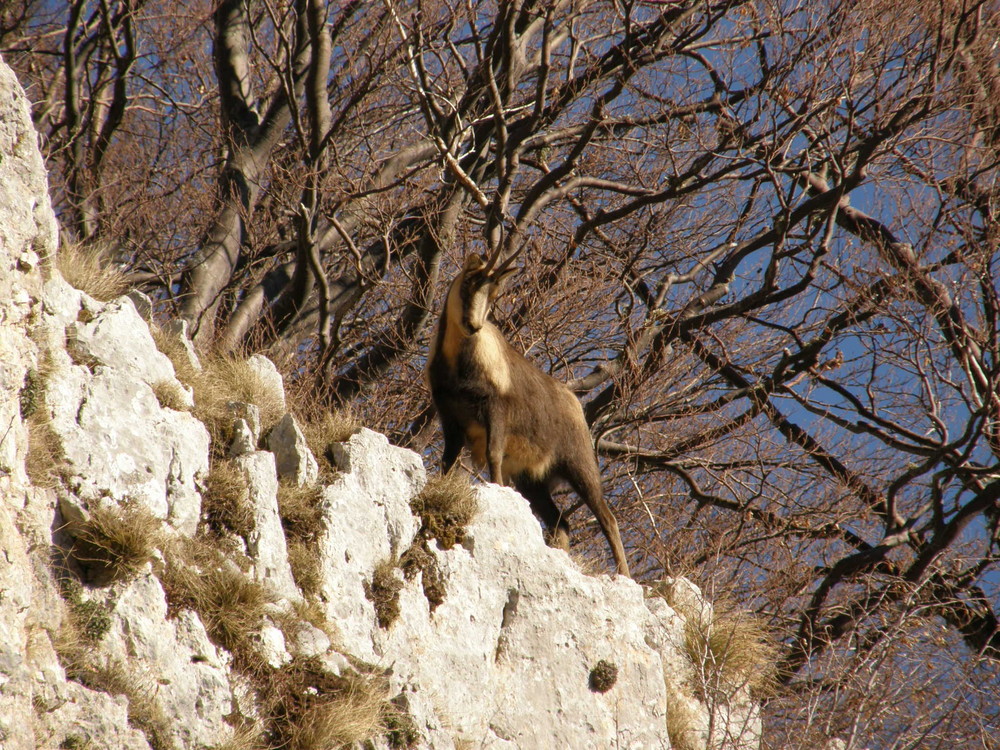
(586, 480)
(539, 496)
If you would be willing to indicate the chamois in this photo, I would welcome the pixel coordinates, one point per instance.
(527, 427)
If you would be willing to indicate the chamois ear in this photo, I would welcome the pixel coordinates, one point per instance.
(473, 263)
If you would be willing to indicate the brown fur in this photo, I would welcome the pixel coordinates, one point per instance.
(523, 425)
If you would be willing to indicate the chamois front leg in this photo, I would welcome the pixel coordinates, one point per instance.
(496, 443)
(453, 441)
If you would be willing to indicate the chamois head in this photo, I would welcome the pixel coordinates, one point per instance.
(476, 289)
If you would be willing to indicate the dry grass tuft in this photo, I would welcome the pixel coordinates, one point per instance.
(330, 427)
(226, 500)
(170, 395)
(241, 739)
(311, 708)
(220, 381)
(353, 716)
(92, 271)
(71, 646)
(306, 567)
(683, 723)
(45, 459)
(171, 345)
(229, 603)
(447, 504)
(302, 520)
(301, 511)
(117, 540)
(730, 649)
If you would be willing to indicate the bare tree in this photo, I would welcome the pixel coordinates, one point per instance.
(759, 239)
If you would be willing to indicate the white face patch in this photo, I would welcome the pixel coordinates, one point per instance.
(468, 324)
(478, 309)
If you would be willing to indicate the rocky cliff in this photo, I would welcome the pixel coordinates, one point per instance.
(184, 570)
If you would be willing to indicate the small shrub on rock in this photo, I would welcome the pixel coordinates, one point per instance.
(383, 592)
(603, 676)
(446, 505)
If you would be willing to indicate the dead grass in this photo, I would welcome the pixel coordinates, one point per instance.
(311, 708)
(45, 459)
(117, 541)
(447, 504)
(730, 649)
(301, 511)
(144, 711)
(302, 520)
(92, 271)
(71, 646)
(241, 739)
(354, 716)
(306, 567)
(170, 345)
(221, 380)
(588, 566)
(82, 663)
(230, 604)
(313, 613)
(226, 500)
(170, 395)
(683, 723)
(323, 431)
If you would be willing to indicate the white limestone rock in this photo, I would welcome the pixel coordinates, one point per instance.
(272, 646)
(243, 441)
(306, 640)
(294, 461)
(519, 617)
(15, 603)
(367, 520)
(119, 442)
(175, 656)
(85, 718)
(266, 542)
(118, 337)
